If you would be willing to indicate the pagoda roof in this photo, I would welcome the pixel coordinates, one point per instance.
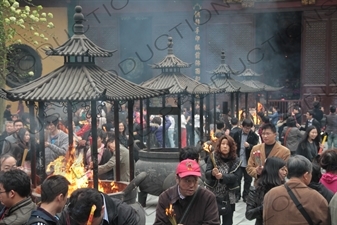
(179, 83)
(171, 61)
(251, 81)
(260, 85)
(172, 78)
(249, 73)
(231, 85)
(221, 78)
(79, 44)
(76, 82)
(223, 68)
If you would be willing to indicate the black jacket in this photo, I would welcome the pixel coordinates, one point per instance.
(119, 213)
(252, 139)
(41, 213)
(314, 123)
(326, 193)
(254, 207)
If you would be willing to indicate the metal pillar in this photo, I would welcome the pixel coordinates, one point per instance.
(232, 105)
(237, 104)
(192, 118)
(201, 117)
(42, 141)
(117, 149)
(179, 121)
(94, 142)
(32, 142)
(131, 139)
(164, 123)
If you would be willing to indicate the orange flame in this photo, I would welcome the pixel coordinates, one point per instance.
(73, 169)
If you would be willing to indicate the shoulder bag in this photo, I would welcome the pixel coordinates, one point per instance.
(299, 205)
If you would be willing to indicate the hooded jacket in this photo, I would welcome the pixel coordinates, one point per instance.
(329, 180)
(41, 213)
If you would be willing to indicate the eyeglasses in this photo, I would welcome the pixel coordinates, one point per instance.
(266, 134)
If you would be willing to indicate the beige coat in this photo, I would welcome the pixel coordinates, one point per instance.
(124, 164)
(277, 151)
(279, 208)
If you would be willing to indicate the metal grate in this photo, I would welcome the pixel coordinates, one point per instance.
(315, 53)
(333, 74)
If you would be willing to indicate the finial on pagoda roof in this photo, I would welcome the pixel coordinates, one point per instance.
(170, 45)
(79, 18)
(223, 56)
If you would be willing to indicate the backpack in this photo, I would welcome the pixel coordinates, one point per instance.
(36, 220)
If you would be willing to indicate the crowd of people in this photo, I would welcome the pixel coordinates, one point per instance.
(282, 157)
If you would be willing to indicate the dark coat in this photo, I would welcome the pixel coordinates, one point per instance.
(254, 207)
(314, 123)
(231, 179)
(41, 213)
(303, 150)
(233, 131)
(204, 209)
(326, 193)
(119, 213)
(252, 139)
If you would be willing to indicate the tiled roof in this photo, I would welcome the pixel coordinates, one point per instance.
(249, 73)
(179, 84)
(171, 61)
(3, 94)
(231, 85)
(260, 85)
(79, 44)
(221, 78)
(223, 68)
(81, 82)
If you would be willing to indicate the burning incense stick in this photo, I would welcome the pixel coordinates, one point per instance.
(170, 214)
(91, 215)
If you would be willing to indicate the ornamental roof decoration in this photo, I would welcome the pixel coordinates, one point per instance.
(172, 78)
(250, 80)
(79, 44)
(221, 78)
(171, 61)
(80, 79)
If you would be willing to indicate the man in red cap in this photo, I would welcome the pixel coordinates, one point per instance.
(187, 195)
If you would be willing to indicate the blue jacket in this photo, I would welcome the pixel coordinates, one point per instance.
(158, 130)
(274, 118)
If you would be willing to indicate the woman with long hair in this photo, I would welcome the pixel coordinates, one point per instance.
(273, 174)
(123, 137)
(309, 145)
(222, 171)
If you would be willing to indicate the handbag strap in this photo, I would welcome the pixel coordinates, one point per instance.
(182, 220)
(285, 136)
(299, 205)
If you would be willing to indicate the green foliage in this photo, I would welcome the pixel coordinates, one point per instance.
(32, 21)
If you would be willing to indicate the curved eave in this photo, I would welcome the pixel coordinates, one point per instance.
(231, 85)
(260, 85)
(118, 88)
(79, 45)
(171, 61)
(3, 94)
(67, 83)
(223, 69)
(179, 83)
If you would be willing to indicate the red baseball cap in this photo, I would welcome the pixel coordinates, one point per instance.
(188, 167)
